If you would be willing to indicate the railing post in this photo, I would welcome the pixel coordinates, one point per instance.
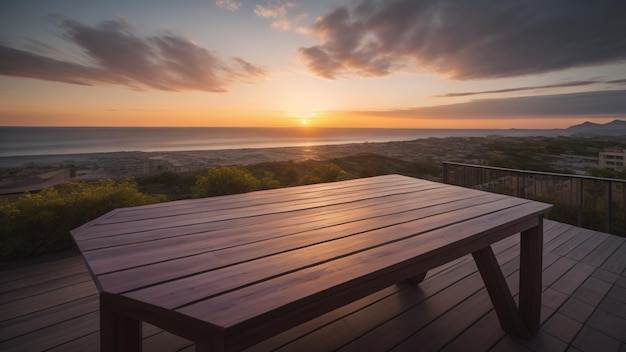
(581, 191)
(624, 208)
(607, 206)
(445, 172)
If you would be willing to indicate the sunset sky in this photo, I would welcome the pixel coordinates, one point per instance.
(327, 63)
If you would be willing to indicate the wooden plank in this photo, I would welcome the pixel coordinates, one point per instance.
(225, 201)
(48, 316)
(90, 342)
(312, 216)
(616, 263)
(551, 230)
(610, 324)
(431, 286)
(435, 335)
(33, 304)
(53, 335)
(544, 342)
(301, 219)
(164, 341)
(327, 320)
(44, 286)
(572, 243)
(562, 327)
(510, 344)
(618, 293)
(481, 336)
(590, 339)
(552, 299)
(592, 291)
(232, 249)
(606, 276)
(44, 277)
(443, 302)
(584, 249)
(271, 197)
(603, 251)
(374, 262)
(178, 292)
(576, 309)
(414, 317)
(562, 238)
(571, 280)
(301, 192)
(285, 204)
(556, 270)
(613, 306)
(20, 273)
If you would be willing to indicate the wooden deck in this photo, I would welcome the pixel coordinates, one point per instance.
(51, 304)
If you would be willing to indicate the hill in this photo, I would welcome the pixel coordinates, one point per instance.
(613, 128)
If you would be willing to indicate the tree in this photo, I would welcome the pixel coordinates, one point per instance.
(325, 173)
(268, 181)
(225, 180)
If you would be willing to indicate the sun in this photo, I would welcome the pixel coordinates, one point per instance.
(303, 122)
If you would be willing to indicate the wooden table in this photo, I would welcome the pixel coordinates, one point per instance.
(228, 272)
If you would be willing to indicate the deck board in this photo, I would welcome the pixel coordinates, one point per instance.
(49, 306)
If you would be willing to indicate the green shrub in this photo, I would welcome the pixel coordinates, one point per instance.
(225, 180)
(269, 181)
(39, 223)
(325, 173)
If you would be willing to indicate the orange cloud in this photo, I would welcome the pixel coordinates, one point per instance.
(117, 56)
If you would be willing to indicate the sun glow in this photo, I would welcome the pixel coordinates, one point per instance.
(303, 122)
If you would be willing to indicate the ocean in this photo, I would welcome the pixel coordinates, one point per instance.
(30, 141)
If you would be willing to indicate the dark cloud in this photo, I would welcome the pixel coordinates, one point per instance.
(547, 86)
(467, 39)
(117, 56)
(589, 104)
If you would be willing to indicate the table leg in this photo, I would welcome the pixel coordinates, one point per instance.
(118, 332)
(530, 287)
(499, 292)
(417, 279)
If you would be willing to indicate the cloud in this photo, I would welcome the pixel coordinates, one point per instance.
(548, 86)
(278, 12)
(587, 104)
(466, 40)
(116, 56)
(230, 5)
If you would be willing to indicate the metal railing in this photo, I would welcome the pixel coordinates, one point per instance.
(592, 202)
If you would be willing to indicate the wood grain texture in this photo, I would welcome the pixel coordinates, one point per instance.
(441, 311)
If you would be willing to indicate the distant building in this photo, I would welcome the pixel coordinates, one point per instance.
(12, 190)
(612, 160)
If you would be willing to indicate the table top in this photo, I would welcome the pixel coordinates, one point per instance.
(237, 262)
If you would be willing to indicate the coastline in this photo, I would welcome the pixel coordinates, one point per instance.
(433, 150)
(136, 163)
